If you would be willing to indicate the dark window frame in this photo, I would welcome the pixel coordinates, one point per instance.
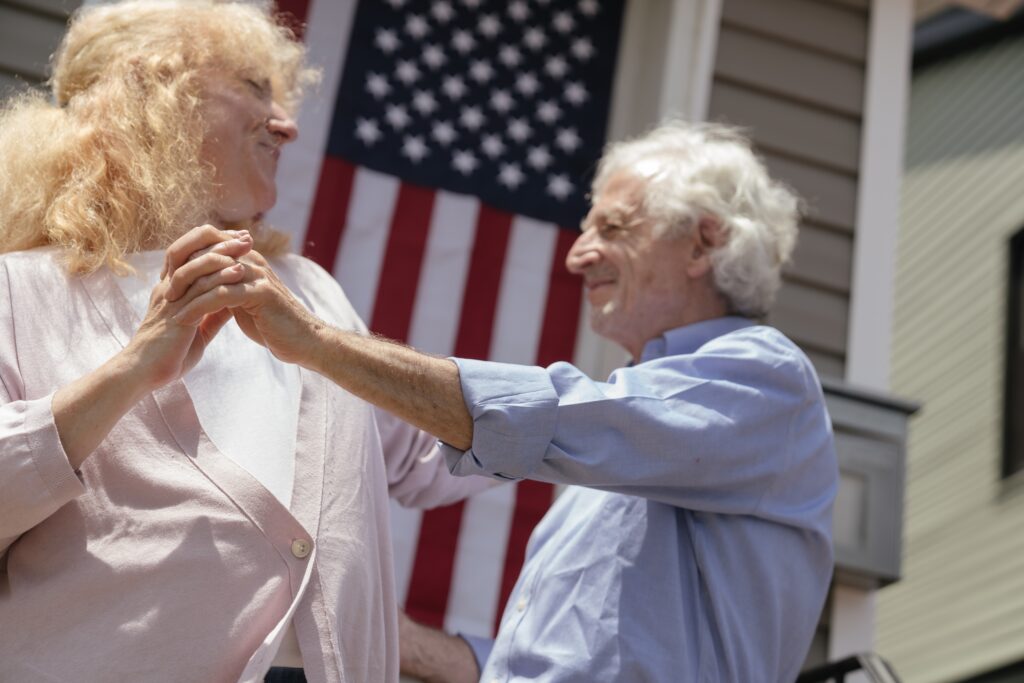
(1013, 391)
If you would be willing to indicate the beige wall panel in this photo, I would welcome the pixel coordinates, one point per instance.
(830, 197)
(26, 41)
(822, 257)
(811, 317)
(789, 70)
(830, 28)
(780, 126)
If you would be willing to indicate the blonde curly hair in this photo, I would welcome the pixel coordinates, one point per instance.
(112, 164)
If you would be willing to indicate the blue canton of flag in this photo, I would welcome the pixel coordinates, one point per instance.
(503, 100)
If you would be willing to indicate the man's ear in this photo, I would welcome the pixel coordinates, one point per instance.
(708, 235)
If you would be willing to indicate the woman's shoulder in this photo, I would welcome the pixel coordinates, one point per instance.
(41, 262)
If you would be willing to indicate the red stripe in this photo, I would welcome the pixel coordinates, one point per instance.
(330, 209)
(434, 563)
(557, 342)
(403, 260)
(293, 13)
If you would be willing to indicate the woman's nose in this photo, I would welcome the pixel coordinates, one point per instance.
(281, 125)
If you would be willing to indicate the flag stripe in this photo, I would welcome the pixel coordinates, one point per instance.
(403, 259)
(327, 221)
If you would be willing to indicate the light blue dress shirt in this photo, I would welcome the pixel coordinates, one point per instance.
(696, 545)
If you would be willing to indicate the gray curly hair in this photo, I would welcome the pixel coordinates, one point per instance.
(699, 170)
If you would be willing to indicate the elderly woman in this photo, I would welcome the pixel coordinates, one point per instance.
(173, 506)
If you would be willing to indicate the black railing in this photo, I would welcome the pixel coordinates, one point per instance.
(875, 669)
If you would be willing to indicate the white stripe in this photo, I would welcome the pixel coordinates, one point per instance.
(436, 314)
(329, 23)
(522, 298)
(360, 255)
(480, 562)
(405, 529)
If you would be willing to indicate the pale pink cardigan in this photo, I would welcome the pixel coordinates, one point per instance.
(163, 560)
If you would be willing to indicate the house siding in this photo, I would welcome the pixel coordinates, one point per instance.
(30, 31)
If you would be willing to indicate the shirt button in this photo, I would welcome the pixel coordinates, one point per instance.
(301, 548)
(521, 605)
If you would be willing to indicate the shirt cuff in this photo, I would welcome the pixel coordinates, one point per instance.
(481, 648)
(47, 452)
(514, 411)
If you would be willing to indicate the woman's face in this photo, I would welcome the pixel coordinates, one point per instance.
(245, 131)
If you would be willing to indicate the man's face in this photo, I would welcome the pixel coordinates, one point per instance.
(636, 281)
(245, 131)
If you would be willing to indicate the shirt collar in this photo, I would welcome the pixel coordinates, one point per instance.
(689, 338)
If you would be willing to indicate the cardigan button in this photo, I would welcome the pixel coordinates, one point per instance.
(301, 548)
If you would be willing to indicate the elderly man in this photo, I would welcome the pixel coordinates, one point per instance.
(696, 544)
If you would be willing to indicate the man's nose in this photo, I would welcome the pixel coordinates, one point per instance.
(281, 125)
(582, 254)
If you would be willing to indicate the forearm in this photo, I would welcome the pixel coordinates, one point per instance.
(421, 389)
(434, 656)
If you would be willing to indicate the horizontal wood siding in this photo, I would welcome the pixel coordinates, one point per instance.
(959, 610)
(792, 72)
(30, 31)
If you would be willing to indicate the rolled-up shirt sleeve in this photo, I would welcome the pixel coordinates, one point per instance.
(709, 430)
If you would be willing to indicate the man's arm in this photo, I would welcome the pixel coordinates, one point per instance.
(434, 656)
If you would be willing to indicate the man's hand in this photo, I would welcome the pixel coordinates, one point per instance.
(434, 656)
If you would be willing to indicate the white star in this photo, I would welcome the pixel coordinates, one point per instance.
(519, 130)
(377, 85)
(502, 101)
(442, 11)
(582, 49)
(539, 157)
(527, 84)
(559, 186)
(424, 102)
(416, 26)
(568, 140)
(415, 148)
(492, 146)
(433, 56)
(397, 4)
(397, 116)
(534, 38)
(444, 133)
(575, 93)
(387, 41)
(548, 112)
(367, 131)
(454, 87)
(511, 176)
(489, 25)
(518, 10)
(472, 118)
(481, 71)
(510, 56)
(463, 41)
(563, 22)
(589, 7)
(556, 67)
(464, 162)
(407, 71)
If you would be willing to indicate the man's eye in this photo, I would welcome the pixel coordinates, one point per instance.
(610, 229)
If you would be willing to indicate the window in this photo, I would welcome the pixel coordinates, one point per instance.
(1013, 410)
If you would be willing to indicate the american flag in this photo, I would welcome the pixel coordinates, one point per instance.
(440, 174)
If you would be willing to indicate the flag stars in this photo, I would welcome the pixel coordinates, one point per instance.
(492, 146)
(481, 71)
(519, 130)
(556, 67)
(501, 101)
(559, 186)
(575, 93)
(442, 11)
(511, 176)
(444, 133)
(454, 87)
(464, 162)
(463, 41)
(548, 112)
(396, 4)
(377, 85)
(407, 71)
(527, 84)
(416, 26)
(472, 118)
(489, 26)
(568, 140)
(588, 7)
(368, 131)
(414, 148)
(510, 56)
(582, 49)
(397, 116)
(518, 10)
(563, 22)
(471, 4)
(424, 102)
(539, 157)
(534, 38)
(387, 41)
(433, 56)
